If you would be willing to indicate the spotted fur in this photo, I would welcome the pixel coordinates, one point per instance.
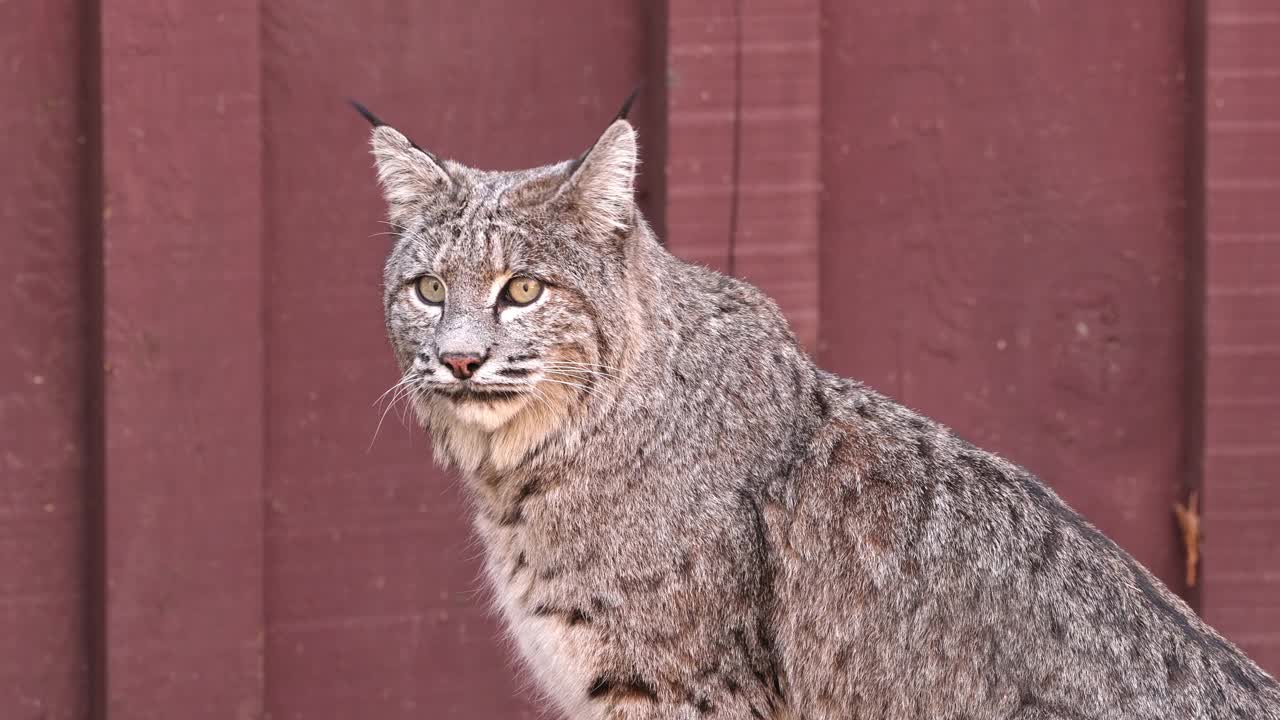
(683, 517)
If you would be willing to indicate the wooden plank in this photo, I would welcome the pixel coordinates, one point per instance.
(375, 606)
(743, 167)
(702, 154)
(44, 362)
(1241, 588)
(183, 359)
(775, 242)
(1004, 230)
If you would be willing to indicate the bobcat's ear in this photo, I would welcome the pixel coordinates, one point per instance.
(601, 184)
(410, 176)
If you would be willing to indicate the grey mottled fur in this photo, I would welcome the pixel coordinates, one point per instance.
(685, 518)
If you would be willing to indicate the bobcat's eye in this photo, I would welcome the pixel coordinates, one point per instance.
(522, 290)
(430, 290)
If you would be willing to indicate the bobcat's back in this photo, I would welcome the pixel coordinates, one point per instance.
(922, 577)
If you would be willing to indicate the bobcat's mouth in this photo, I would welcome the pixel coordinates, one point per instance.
(487, 406)
(480, 394)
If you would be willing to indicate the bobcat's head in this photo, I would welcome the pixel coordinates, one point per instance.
(505, 291)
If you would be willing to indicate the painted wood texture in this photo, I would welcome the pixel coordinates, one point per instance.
(1241, 593)
(743, 130)
(182, 360)
(44, 362)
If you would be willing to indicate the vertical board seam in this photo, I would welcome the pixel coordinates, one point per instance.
(1197, 253)
(93, 508)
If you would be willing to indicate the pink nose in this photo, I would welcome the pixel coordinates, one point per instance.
(462, 365)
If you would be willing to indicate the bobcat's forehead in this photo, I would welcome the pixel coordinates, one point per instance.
(479, 233)
(464, 254)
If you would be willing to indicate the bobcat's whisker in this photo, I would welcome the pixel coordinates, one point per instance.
(590, 369)
(571, 374)
(572, 363)
(536, 393)
(413, 395)
(403, 379)
(401, 389)
(581, 372)
(584, 388)
(577, 374)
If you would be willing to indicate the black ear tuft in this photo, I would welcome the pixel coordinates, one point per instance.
(364, 112)
(626, 106)
(376, 122)
(622, 115)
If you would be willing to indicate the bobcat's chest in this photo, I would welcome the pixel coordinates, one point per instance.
(558, 645)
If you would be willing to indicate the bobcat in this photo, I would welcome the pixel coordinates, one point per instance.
(683, 517)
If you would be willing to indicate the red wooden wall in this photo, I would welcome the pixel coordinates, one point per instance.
(46, 360)
(1240, 291)
(1054, 228)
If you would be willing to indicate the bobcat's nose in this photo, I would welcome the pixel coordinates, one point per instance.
(462, 365)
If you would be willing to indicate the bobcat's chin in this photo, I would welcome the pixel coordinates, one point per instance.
(496, 430)
(485, 411)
